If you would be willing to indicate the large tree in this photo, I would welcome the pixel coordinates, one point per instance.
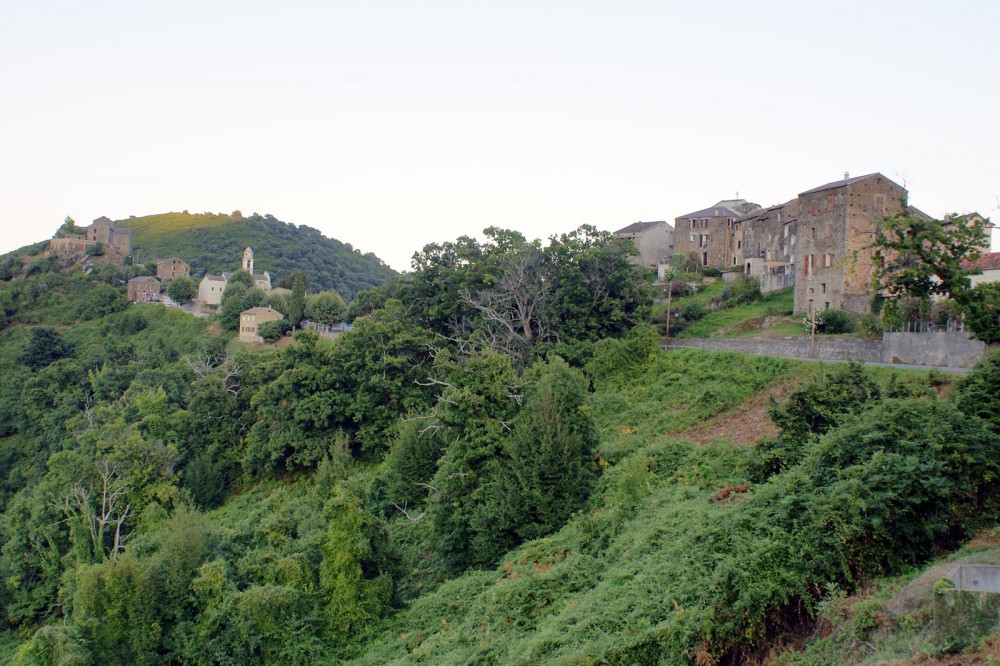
(919, 258)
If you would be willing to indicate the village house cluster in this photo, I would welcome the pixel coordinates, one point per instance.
(113, 243)
(817, 242)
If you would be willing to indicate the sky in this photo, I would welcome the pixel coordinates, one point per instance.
(393, 124)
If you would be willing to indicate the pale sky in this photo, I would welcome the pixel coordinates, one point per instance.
(392, 124)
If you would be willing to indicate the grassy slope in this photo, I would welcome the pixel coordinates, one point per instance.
(214, 243)
(621, 582)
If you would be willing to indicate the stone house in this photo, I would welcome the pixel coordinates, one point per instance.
(837, 223)
(250, 321)
(117, 241)
(210, 289)
(173, 267)
(143, 289)
(653, 240)
(818, 241)
(708, 233)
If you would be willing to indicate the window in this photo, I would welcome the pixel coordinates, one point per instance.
(692, 224)
(739, 244)
(691, 238)
(880, 204)
(827, 260)
(809, 264)
(734, 261)
(704, 258)
(812, 233)
(826, 306)
(829, 203)
(822, 287)
(814, 208)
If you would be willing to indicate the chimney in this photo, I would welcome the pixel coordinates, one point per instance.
(847, 174)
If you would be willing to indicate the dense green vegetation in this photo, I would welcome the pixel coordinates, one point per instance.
(214, 243)
(493, 466)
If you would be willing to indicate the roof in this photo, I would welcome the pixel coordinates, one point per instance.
(163, 261)
(988, 262)
(214, 278)
(262, 310)
(843, 183)
(144, 278)
(639, 226)
(714, 211)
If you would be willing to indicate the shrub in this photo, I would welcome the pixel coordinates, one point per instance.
(836, 321)
(744, 290)
(272, 331)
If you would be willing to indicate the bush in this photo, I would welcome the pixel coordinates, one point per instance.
(836, 321)
(744, 290)
(871, 326)
(271, 331)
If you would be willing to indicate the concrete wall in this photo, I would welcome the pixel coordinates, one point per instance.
(951, 349)
(827, 349)
(976, 577)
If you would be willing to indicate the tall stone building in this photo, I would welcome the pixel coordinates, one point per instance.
(116, 241)
(819, 240)
(708, 233)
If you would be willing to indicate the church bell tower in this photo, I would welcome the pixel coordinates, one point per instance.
(248, 261)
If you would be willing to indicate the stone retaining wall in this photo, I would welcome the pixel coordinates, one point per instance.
(826, 349)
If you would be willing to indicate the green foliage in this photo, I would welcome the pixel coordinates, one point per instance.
(548, 463)
(102, 300)
(919, 258)
(95, 250)
(182, 289)
(354, 580)
(214, 243)
(271, 331)
(818, 405)
(326, 307)
(982, 311)
(836, 322)
(297, 301)
(237, 298)
(44, 347)
(977, 393)
(745, 290)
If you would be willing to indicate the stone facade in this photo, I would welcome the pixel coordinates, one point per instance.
(117, 241)
(250, 321)
(653, 240)
(173, 267)
(210, 289)
(708, 233)
(144, 289)
(819, 240)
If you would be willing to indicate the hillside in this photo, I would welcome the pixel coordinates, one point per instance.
(402, 494)
(214, 243)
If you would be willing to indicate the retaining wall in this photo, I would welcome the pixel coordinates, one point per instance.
(826, 349)
(953, 349)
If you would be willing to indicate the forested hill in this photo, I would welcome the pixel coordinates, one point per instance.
(214, 243)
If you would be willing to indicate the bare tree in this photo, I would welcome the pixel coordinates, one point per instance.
(101, 507)
(514, 310)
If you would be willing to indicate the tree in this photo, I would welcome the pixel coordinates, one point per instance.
(182, 289)
(326, 307)
(297, 303)
(44, 347)
(919, 258)
(982, 311)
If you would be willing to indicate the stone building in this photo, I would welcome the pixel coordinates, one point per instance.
(250, 321)
(210, 289)
(117, 241)
(708, 233)
(653, 240)
(837, 223)
(173, 267)
(819, 240)
(144, 289)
